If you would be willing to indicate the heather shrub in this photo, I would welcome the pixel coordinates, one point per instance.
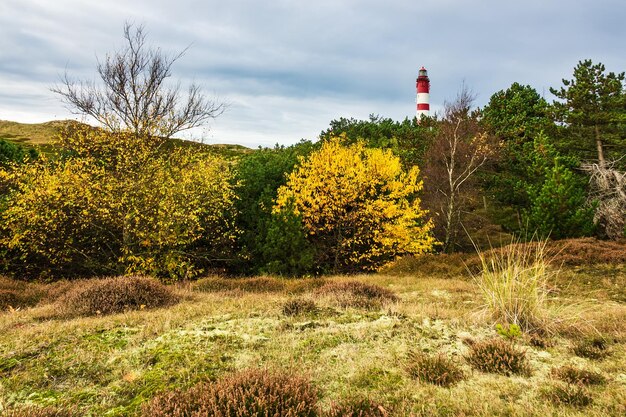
(115, 295)
(437, 370)
(247, 393)
(18, 294)
(360, 407)
(499, 357)
(254, 285)
(358, 294)
(572, 375)
(592, 348)
(299, 306)
(576, 395)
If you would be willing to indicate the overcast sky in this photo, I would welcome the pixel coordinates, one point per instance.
(289, 67)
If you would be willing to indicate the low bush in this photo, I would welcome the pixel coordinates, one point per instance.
(299, 306)
(437, 370)
(18, 294)
(575, 395)
(362, 407)
(247, 393)
(592, 348)
(573, 375)
(499, 357)
(115, 295)
(358, 294)
(254, 285)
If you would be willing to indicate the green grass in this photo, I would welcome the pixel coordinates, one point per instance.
(42, 136)
(110, 366)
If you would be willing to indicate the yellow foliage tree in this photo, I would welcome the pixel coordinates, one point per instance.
(358, 207)
(115, 203)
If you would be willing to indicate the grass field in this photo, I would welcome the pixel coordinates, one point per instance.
(110, 365)
(43, 135)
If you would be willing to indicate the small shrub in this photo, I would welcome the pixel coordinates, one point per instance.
(513, 282)
(247, 393)
(575, 395)
(19, 294)
(299, 306)
(254, 285)
(573, 375)
(115, 295)
(510, 332)
(592, 348)
(499, 357)
(437, 370)
(362, 407)
(358, 294)
(32, 411)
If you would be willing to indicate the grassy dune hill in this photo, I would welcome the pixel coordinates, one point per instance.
(356, 343)
(42, 136)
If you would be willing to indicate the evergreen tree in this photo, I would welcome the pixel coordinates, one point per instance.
(592, 109)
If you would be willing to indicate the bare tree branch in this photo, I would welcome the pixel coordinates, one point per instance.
(134, 94)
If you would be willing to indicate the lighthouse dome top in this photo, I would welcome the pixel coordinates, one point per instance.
(423, 71)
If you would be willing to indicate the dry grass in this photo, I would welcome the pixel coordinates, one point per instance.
(112, 365)
(358, 294)
(359, 407)
(514, 282)
(40, 412)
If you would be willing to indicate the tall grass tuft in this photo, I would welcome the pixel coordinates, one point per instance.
(513, 281)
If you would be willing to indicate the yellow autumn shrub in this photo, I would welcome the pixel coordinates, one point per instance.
(116, 203)
(358, 206)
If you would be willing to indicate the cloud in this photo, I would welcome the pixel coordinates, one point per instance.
(289, 67)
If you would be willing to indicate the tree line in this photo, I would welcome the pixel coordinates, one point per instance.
(121, 199)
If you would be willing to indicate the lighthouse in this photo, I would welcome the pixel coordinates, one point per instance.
(423, 90)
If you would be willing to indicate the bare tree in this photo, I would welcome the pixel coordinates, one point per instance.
(459, 149)
(134, 94)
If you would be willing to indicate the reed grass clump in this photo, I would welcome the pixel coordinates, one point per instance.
(514, 284)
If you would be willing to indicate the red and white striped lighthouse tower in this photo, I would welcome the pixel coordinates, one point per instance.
(423, 93)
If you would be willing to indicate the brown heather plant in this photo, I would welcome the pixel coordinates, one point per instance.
(18, 294)
(363, 407)
(249, 393)
(115, 295)
(358, 294)
(437, 370)
(576, 395)
(299, 306)
(572, 375)
(591, 348)
(499, 357)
